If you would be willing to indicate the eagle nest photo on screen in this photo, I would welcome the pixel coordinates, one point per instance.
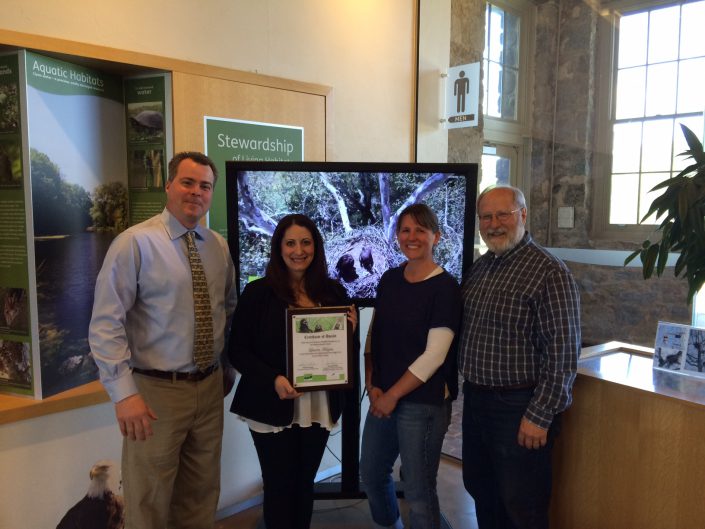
(356, 213)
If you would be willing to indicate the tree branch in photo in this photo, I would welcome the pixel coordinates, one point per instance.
(386, 207)
(257, 220)
(342, 208)
(429, 185)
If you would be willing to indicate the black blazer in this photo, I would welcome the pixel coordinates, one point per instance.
(257, 349)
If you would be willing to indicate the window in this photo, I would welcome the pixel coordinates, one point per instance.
(505, 63)
(501, 62)
(660, 74)
(499, 165)
(506, 59)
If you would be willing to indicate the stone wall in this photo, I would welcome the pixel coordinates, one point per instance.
(467, 42)
(563, 120)
(617, 303)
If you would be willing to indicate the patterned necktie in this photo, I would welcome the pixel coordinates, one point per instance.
(203, 333)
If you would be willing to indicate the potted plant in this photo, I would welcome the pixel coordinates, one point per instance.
(682, 205)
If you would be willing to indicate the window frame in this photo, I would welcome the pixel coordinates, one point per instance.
(606, 94)
(506, 131)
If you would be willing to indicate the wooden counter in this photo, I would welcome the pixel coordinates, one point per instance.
(20, 408)
(632, 451)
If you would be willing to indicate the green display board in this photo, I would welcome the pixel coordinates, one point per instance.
(229, 139)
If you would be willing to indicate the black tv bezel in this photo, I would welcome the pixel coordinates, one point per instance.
(469, 170)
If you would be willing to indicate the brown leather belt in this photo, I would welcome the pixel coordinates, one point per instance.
(482, 387)
(177, 375)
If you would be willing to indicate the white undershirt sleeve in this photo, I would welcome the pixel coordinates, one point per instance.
(437, 346)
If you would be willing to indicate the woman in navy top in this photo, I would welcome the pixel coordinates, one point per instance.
(410, 375)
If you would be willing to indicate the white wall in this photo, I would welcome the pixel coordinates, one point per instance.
(361, 48)
(434, 57)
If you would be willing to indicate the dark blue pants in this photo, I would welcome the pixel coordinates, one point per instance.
(289, 460)
(511, 485)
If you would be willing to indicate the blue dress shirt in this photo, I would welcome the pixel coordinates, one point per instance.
(143, 309)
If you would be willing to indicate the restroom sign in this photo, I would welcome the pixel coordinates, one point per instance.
(462, 95)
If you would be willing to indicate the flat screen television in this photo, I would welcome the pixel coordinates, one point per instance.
(355, 206)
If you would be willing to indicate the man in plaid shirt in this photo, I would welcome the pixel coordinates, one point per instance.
(518, 354)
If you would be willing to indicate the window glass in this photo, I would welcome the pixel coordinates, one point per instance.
(660, 83)
(691, 85)
(661, 89)
(656, 145)
(663, 34)
(501, 59)
(632, 40)
(631, 91)
(496, 169)
(626, 149)
(625, 205)
(692, 41)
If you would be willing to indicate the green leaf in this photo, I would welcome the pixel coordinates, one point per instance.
(692, 140)
(631, 257)
(683, 203)
(681, 208)
(680, 265)
(650, 260)
(662, 259)
(671, 183)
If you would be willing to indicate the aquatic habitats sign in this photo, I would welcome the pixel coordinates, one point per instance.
(17, 367)
(77, 173)
(148, 120)
(63, 78)
(230, 139)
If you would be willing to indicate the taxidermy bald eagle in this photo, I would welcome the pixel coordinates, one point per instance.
(101, 507)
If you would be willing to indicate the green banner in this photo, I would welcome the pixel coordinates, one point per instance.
(145, 204)
(228, 139)
(145, 107)
(63, 78)
(15, 333)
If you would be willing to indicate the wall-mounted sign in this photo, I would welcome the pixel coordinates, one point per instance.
(231, 139)
(462, 95)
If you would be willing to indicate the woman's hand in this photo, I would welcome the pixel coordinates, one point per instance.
(284, 389)
(383, 405)
(352, 317)
(374, 393)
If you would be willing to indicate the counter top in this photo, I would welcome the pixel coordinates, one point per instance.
(20, 408)
(632, 366)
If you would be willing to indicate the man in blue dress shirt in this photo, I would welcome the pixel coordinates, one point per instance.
(170, 411)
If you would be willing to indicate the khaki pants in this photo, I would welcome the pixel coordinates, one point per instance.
(172, 480)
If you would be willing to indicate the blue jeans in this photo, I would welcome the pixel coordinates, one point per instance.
(415, 432)
(511, 485)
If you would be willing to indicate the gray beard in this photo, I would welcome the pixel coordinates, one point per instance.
(502, 248)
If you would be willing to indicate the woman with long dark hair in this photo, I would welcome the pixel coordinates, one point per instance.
(290, 429)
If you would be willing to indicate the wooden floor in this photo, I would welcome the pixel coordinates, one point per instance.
(456, 505)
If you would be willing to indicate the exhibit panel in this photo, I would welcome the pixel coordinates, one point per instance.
(145, 110)
(631, 449)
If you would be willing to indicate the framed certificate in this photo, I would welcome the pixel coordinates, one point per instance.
(319, 348)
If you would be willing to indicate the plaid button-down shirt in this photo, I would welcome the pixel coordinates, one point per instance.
(521, 325)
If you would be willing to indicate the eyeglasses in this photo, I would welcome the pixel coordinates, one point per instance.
(501, 216)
